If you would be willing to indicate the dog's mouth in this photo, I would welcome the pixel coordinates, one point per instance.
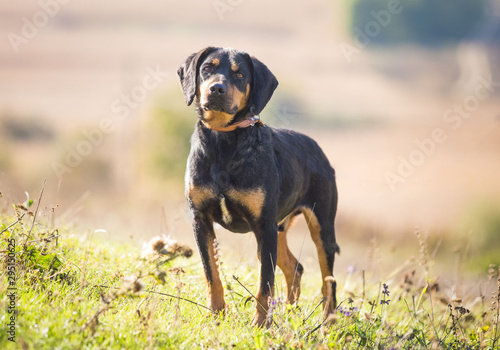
(215, 115)
(217, 106)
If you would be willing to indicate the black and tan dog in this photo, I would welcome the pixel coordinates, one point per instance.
(246, 176)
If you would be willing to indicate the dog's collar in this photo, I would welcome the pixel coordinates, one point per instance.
(239, 125)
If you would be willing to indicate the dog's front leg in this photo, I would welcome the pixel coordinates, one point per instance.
(205, 238)
(267, 241)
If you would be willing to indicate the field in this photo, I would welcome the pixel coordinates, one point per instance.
(66, 290)
(412, 132)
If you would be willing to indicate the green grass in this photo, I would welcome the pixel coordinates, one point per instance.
(75, 292)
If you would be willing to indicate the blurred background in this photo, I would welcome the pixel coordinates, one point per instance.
(403, 97)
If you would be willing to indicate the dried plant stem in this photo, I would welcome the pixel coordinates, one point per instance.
(13, 224)
(36, 212)
(163, 294)
(310, 314)
(251, 294)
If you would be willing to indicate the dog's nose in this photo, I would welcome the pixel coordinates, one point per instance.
(217, 89)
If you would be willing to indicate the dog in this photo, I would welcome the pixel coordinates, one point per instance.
(247, 176)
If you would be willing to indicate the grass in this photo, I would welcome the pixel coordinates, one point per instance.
(76, 292)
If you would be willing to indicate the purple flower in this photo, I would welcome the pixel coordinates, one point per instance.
(386, 293)
(347, 311)
(386, 290)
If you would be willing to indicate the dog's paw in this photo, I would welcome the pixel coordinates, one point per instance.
(261, 319)
(219, 311)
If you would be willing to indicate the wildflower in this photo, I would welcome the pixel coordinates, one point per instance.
(348, 311)
(133, 284)
(385, 292)
(343, 311)
(164, 245)
(274, 302)
(158, 244)
(272, 305)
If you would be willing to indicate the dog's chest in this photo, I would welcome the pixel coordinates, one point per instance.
(231, 205)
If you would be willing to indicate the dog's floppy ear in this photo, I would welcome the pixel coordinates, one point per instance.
(264, 84)
(188, 73)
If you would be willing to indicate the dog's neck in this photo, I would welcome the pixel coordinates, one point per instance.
(243, 119)
(251, 121)
(222, 146)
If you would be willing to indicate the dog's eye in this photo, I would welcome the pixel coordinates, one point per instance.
(239, 75)
(207, 69)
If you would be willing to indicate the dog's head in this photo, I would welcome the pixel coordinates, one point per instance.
(226, 83)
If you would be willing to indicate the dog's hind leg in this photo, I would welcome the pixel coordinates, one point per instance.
(291, 268)
(322, 231)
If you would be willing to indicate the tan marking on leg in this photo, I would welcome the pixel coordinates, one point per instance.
(253, 199)
(260, 316)
(288, 263)
(315, 230)
(199, 194)
(215, 291)
(329, 302)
